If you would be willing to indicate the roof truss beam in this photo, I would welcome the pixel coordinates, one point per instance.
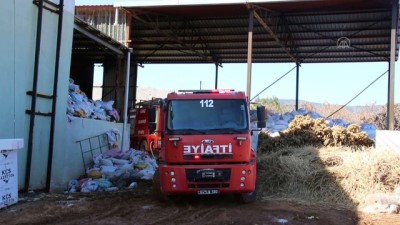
(175, 38)
(271, 32)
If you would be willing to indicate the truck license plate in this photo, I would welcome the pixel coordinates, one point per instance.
(208, 192)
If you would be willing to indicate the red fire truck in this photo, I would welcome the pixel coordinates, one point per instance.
(146, 125)
(205, 144)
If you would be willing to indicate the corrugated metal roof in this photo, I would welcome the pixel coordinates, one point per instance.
(92, 43)
(94, 6)
(309, 31)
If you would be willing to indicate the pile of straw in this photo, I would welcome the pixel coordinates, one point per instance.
(328, 174)
(306, 131)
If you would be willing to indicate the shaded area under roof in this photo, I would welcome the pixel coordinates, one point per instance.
(301, 31)
(93, 44)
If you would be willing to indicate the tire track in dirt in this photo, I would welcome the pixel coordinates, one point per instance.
(193, 215)
(139, 207)
(111, 211)
(197, 210)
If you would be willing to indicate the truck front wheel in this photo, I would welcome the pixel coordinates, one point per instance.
(249, 197)
(157, 188)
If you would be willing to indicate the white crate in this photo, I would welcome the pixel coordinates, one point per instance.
(8, 168)
(11, 144)
(8, 196)
(9, 171)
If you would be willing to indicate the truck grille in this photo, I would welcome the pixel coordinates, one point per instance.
(208, 175)
(211, 186)
(225, 156)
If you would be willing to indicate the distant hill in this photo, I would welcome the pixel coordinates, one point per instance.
(357, 108)
(147, 93)
(293, 102)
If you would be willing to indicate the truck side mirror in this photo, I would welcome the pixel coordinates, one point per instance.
(261, 116)
(152, 127)
(163, 106)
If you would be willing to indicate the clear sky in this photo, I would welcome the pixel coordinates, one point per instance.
(335, 83)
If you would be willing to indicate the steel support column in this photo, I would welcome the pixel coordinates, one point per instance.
(133, 85)
(249, 51)
(125, 115)
(216, 75)
(297, 85)
(393, 43)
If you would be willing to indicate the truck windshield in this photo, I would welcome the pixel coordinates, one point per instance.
(207, 116)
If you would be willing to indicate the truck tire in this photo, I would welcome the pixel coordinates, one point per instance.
(143, 145)
(249, 197)
(157, 188)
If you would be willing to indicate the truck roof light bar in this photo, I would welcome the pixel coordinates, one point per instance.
(207, 91)
(153, 101)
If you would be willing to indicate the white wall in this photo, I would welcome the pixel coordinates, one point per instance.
(7, 70)
(388, 139)
(18, 22)
(68, 162)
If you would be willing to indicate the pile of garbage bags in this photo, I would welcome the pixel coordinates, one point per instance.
(279, 122)
(79, 105)
(114, 170)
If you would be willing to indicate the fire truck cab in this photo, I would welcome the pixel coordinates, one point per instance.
(206, 144)
(146, 125)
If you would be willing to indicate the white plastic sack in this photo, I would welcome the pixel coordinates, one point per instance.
(281, 122)
(119, 161)
(113, 135)
(108, 170)
(108, 105)
(89, 186)
(106, 162)
(279, 128)
(147, 174)
(287, 117)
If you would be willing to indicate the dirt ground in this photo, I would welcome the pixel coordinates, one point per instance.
(138, 206)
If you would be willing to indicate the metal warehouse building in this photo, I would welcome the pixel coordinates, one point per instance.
(45, 43)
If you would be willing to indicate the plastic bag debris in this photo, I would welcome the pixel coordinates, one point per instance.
(133, 185)
(103, 183)
(279, 122)
(94, 174)
(79, 105)
(282, 221)
(118, 170)
(89, 186)
(113, 135)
